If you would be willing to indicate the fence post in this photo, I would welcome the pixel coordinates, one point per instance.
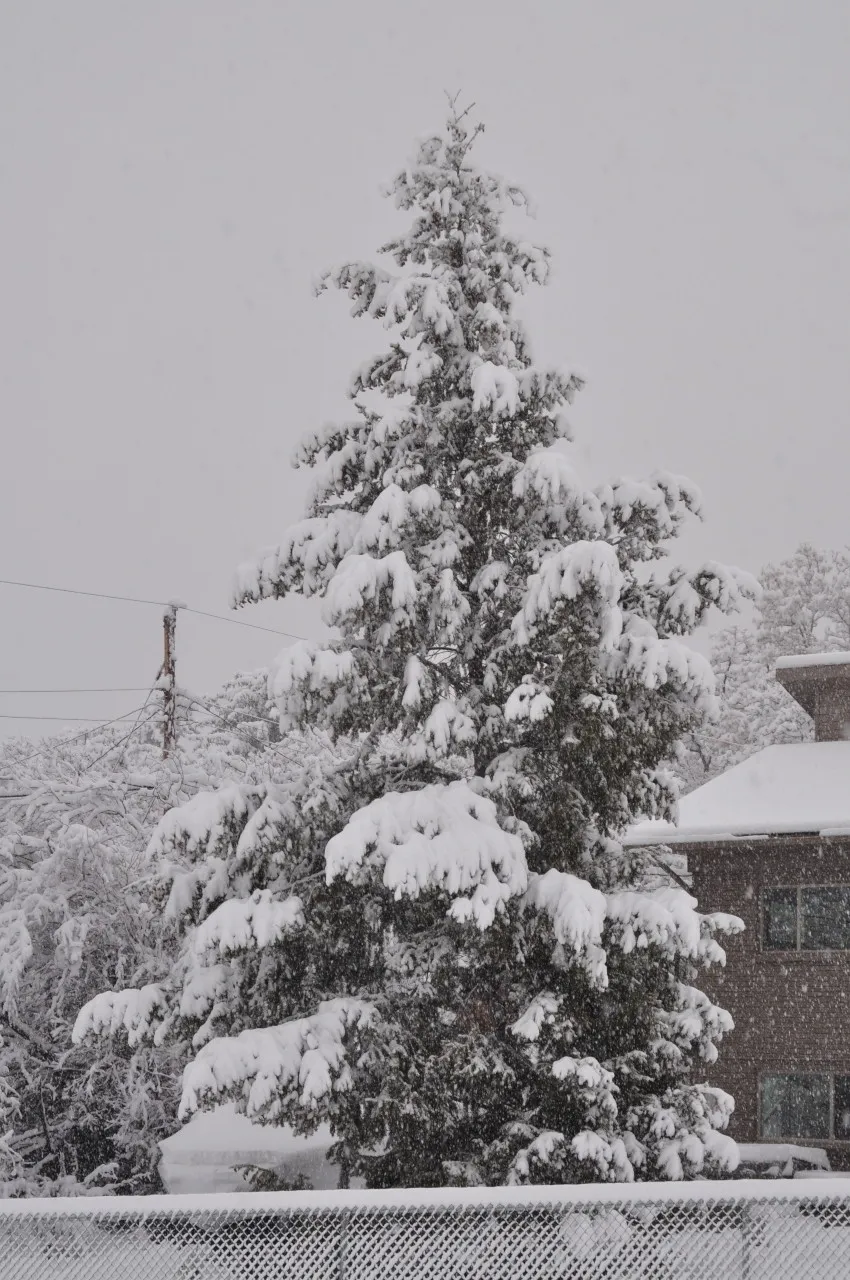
(343, 1244)
(746, 1231)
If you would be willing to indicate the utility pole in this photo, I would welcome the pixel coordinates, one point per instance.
(168, 680)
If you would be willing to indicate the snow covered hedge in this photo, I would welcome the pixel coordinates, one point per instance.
(78, 911)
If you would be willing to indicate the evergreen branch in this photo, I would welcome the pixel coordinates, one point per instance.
(43, 1047)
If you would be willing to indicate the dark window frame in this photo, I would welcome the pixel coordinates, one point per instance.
(798, 948)
(796, 1072)
(791, 1074)
(766, 889)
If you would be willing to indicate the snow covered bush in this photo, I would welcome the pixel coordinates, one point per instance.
(77, 914)
(433, 942)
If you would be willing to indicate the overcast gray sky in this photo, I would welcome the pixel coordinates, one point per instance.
(172, 176)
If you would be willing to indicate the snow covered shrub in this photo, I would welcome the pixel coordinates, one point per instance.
(77, 914)
(433, 942)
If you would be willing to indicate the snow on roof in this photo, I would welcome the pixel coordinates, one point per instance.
(795, 787)
(224, 1130)
(786, 1153)
(205, 1155)
(812, 660)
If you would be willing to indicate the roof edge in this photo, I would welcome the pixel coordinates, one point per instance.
(701, 839)
(835, 658)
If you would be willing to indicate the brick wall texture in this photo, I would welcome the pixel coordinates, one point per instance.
(791, 1009)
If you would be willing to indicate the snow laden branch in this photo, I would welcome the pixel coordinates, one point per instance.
(241, 924)
(440, 837)
(663, 918)
(303, 1062)
(566, 574)
(135, 1012)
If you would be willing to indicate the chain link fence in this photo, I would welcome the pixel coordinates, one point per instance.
(731, 1231)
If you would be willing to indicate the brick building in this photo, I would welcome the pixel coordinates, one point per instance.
(769, 841)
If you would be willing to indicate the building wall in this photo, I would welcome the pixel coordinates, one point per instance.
(791, 1009)
(832, 717)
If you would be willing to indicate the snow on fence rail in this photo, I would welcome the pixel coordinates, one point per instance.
(755, 1230)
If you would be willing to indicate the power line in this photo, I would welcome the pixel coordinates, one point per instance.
(162, 604)
(234, 729)
(84, 733)
(237, 622)
(137, 711)
(65, 719)
(140, 723)
(72, 591)
(141, 688)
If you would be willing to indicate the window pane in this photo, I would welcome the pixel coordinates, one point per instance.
(780, 919)
(841, 1107)
(795, 1107)
(825, 918)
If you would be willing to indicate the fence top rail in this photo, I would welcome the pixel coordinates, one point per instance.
(434, 1199)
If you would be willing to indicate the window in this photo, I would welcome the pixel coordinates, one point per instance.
(825, 918)
(807, 918)
(841, 1106)
(807, 1105)
(780, 919)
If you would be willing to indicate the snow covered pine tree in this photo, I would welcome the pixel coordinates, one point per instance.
(434, 946)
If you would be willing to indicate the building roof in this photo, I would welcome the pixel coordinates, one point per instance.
(206, 1153)
(223, 1130)
(799, 787)
(820, 683)
(792, 661)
